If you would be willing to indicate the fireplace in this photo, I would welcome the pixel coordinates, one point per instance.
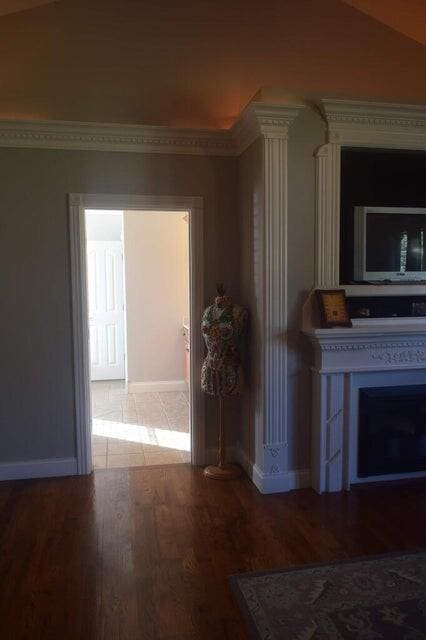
(391, 430)
(368, 403)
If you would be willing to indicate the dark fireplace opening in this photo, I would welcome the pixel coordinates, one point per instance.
(392, 430)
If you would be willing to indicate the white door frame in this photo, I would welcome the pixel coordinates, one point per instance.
(78, 202)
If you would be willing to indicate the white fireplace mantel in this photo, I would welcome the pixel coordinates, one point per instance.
(369, 348)
(346, 360)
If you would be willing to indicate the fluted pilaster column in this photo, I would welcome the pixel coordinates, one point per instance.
(327, 254)
(271, 123)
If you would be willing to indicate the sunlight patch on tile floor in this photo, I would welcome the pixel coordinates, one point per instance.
(141, 434)
(138, 429)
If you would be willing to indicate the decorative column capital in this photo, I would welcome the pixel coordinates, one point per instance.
(271, 121)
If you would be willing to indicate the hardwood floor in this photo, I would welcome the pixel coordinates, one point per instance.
(144, 553)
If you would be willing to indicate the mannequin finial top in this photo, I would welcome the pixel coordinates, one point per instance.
(222, 300)
(220, 289)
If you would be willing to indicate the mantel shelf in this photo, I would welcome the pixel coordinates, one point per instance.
(361, 333)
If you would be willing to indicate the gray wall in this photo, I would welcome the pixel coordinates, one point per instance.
(250, 202)
(37, 410)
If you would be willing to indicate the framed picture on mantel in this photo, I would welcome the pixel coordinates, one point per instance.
(333, 308)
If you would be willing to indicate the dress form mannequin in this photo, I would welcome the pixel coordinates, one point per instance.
(222, 326)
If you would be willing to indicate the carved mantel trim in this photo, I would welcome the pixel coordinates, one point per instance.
(369, 347)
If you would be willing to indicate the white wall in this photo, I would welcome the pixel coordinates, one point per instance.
(103, 225)
(157, 293)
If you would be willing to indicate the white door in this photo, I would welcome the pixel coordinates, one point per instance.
(106, 309)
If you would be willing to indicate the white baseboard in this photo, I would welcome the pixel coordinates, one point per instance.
(52, 467)
(161, 385)
(281, 482)
(266, 483)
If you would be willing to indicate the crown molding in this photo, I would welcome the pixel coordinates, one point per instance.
(256, 120)
(55, 134)
(259, 119)
(349, 122)
(369, 123)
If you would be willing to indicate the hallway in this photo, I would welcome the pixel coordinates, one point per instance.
(138, 429)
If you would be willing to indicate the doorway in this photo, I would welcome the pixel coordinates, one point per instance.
(140, 412)
(129, 410)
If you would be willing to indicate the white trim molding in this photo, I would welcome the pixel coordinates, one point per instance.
(327, 223)
(279, 482)
(266, 120)
(375, 124)
(194, 207)
(50, 468)
(271, 417)
(264, 482)
(157, 386)
(356, 124)
(256, 119)
(350, 122)
(92, 136)
(271, 124)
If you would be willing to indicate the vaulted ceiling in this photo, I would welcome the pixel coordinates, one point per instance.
(13, 6)
(406, 16)
(198, 62)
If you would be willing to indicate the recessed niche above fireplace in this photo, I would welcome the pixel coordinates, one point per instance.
(375, 156)
(382, 215)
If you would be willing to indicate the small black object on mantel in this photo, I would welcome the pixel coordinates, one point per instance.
(333, 307)
(387, 306)
(418, 309)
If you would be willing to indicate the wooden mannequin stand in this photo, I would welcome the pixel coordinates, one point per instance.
(223, 470)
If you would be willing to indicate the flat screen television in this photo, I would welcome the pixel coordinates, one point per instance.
(390, 244)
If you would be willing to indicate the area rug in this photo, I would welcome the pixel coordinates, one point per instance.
(365, 599)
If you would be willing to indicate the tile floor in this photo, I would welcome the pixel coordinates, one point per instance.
(138, 429)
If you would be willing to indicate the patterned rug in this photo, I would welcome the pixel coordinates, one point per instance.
(365, 599)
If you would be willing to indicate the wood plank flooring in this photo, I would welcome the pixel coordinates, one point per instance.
(144, 553)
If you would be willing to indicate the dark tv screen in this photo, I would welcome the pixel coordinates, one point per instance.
(395, 242)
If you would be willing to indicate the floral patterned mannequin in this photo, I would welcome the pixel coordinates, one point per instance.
(222, 326)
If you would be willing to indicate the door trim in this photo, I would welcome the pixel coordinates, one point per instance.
(78, 202)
